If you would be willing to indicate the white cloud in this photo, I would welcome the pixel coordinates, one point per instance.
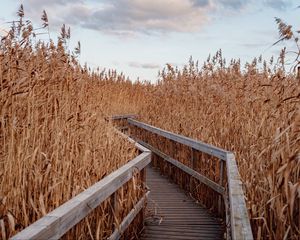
(148, 16)
(278, 4)
(57, 10)
(123, 16)
(144, 65)
(132, 16)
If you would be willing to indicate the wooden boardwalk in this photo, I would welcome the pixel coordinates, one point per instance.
(171, 214)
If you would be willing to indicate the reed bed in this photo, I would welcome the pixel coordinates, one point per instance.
(54, 141)
(252, 110)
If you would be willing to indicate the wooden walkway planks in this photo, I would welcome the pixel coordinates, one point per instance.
(171, 214)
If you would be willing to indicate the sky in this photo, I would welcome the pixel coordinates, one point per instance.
(139, 37)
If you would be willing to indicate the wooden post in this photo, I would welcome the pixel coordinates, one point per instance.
(227, 217)
(192, 167)
(144, 186)
(192, 158)
(115, 210)
(221, 184)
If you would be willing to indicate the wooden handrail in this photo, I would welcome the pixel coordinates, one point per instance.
(240, 223)
(56, 223)
(197, 145)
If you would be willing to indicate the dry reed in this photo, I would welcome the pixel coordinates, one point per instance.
(255, 113)
(54, 141)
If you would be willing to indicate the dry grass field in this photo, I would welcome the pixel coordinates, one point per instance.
(54, 141)
(255, 113)
(53, 136)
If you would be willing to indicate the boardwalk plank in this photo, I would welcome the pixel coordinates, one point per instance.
(171, 214)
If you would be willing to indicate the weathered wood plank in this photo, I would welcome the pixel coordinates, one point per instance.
(56, 223)
(215, 186)
(240, 224)
(198, 145)
(129, 218)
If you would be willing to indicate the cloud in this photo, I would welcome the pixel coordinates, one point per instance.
(128, 17)
(240, 4)
(44, 3)
(146, 16)
(201, 3)
(278, 4)
(58, 11)
(144, 65)
(124, 16)
(233, 4)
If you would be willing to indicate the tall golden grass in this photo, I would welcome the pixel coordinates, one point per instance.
(254, 112)
(54, 142)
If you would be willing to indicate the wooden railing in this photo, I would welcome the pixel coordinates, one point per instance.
(58, 222)
(209, 173)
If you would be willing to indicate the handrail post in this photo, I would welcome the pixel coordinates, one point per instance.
(227, 217)
(192, 158)
(144, 186)
(192, 167)
(221, 184)
(115, 209)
